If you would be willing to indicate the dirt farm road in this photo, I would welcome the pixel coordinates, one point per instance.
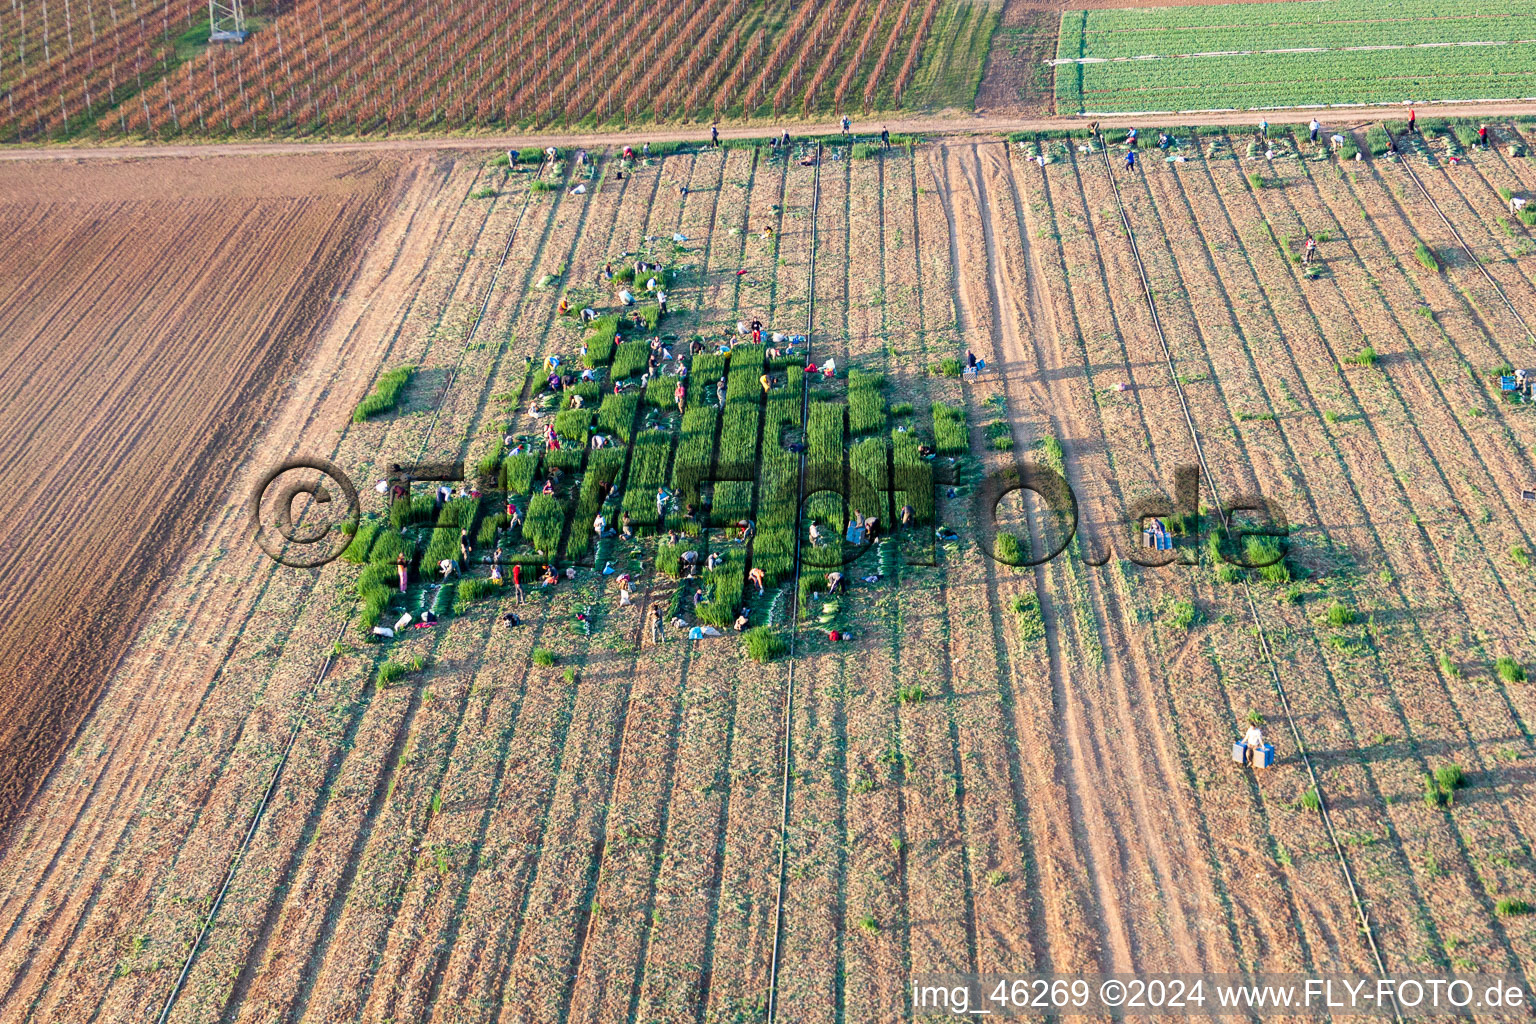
(955, 123)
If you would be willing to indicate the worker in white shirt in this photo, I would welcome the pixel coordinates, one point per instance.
(1253, 743)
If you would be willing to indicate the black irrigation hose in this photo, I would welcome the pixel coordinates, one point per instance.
(325, 666)
(1253, 610)
(1457, 235)
(794, 607)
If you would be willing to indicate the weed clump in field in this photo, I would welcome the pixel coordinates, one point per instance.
(1440, 788)
(1267, 558)
(1512, 907)
(763, 644)
(1340, 614)
(544, 657)
(949, 366)
(1520, 556)
(911, 693)
(999, 436)
(1180, 615)
(1510, 670)
(1365, 357)
(1448, 666)
(1008, 550)
(1026, 610)
(386, 393)
(1426, 257)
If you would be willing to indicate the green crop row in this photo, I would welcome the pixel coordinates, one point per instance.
(385, 393)
(866, 405)
(914, 477)
(599, 343)
(455, 516)
(517, 472)
(572, 424)
(723, 587)
(949, 433)
(616, 415)
(660, 392)
(869, 478)
(647, 474)
(629, 359)
(736, 464)
(704, 370)
(604, 467)
(695, 450)
(544, 524)
(824, 459)
(773, 549)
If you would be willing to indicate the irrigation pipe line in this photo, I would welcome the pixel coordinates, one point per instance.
(1253, 610)
(325, 666)
(1457, 235)
(794, 610)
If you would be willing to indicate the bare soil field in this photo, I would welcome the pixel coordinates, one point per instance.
(1005, 769)
(151, 319)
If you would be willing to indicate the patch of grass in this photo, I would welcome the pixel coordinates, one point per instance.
(1008, 549)
(869, 923)
(1256, 180)
(996, 876)
(1512, 907)
(1026, 609)
(1365, 357)
(1521, 556)
(1426, 257)
(1340, 614)
(389, 672)
(910, 694)
(544, 657)
(1310, 801)
(1180, 615)
(949, 366)
(1448, 666)
(1510, 670)
(386, 393)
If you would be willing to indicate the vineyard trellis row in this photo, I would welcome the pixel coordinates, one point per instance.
(382, 65)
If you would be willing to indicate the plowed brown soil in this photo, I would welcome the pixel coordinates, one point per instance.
(149, 315)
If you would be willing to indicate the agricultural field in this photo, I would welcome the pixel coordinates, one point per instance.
(150, 319)
(109, 70)
(1265, 56)
(1006, 767)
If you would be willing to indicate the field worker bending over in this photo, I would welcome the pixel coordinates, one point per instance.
(1253, 743)
(626, 297)
(1338, 142)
